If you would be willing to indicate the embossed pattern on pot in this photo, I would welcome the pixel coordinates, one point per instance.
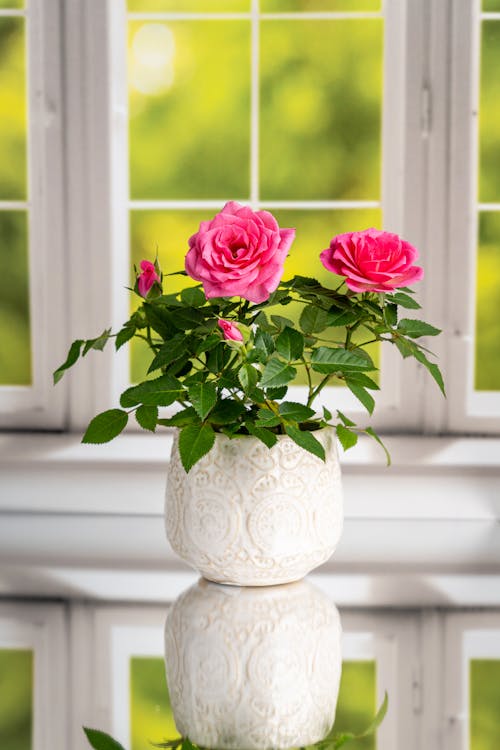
(252, 516)
(253, 669)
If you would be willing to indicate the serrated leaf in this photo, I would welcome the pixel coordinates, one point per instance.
(248, 377)
(416, 328)
(170, 352)
(226, 411)
(193, 296)
(347, 437)
(281, 322)
(391, 314)
(295, 412)
(207, 344)
(203, 396)
(327, 360)
(181, 419)
(73, 355)
(371, 432)
(361, 394)
(265, 436)
(101, 741)
(105, 426)
(306, 440)
(404, 300)
(267, 418)
(313, 319)
(327, 414)
(277, 373)
(147, 417)
(347, 422)
(98, 343)
(431, 367)
(160, 321)
(264, 341)
(360, 378)
(276, 393)
(161, 391)
(195, 441)
(123, 336)
(290, 344)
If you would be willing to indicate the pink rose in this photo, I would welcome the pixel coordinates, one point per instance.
(230, 330)
(147, 278)
(239, 252)
(372, 261)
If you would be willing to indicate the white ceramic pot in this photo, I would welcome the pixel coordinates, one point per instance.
(253, 668)
(252, 516)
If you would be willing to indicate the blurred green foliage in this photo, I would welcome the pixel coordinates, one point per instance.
(491, 5)
(321, 96)
(484, 704)
(487, 359)
(16, 699)
(151, 714)
(489, 113)
(189, 6)
(12, 110)
(276, 6)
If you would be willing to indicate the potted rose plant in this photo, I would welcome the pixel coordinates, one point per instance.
(248, 460)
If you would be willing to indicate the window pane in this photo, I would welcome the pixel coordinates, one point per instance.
(321, 97)
(275, 6)
(15, 354)
(487, 371)
(356, 705)
(151, 717)
(189, 6)
(491, 5)
(16, 699)
(489, 114)
(12, 110)
(14, 4)
(169, 231)
(484, 704)
(189, 96)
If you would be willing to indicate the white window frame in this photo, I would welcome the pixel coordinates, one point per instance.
(38, 405)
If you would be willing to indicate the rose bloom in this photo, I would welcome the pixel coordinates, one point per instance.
(372, 261)
(147, 278)
(239, 252)
(230, 330)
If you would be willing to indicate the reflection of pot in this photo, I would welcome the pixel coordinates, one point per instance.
(253, 668)
(254, 516)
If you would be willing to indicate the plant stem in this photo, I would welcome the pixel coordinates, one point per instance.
(318, 389)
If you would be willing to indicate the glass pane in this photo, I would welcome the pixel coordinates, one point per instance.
(489, 114)
(151, 717)
(12, 110)
(484, 704)
(189, 6)
(356, 705)
(321, 97)
(14, 4)
(487, 373)
(16, 699)
(276, 6)
(491, 5)
(15, 352)
(169, 231)
(189, 94)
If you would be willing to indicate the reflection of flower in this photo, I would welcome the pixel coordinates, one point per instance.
(147, 278)
(230, 330)
(372, 261)
(239, 252)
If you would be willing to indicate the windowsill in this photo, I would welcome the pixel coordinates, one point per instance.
(78, 520)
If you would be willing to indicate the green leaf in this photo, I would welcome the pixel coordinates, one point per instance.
(187, 318)
(377, 721)
(194, 442)
(361, 394)
(170, 352)
(290, 344)
(328, 360)
(226, 411)
(337, 319)
(105, 426)
(160, 321)
(181, 419)
(404, 300)
(265, 436)
(371, 432)
(98, 344)
(348, 438)
(416, 328)
(264, 342)
(347, 422)
(207, 344)
(193, 296)
(218, 358)
(248, 377)
(101, 741)
(327, 414)
(124, 335)
(360, 378)
(267, 418)
(306, 440)
(432, 368)
(277, 393)
(313, 319)
(277, 373)
(203, 396)
(295, 412)
(391, 314)
(161, 391)
(73, 355)
(147, 417)
(281, 323)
